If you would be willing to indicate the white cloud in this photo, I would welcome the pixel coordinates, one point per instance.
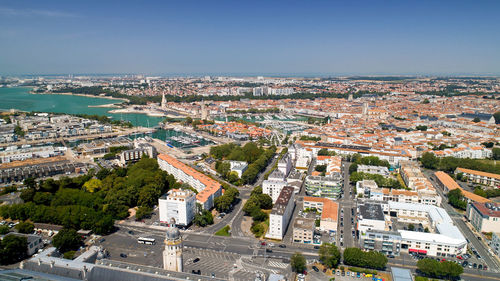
(35, 12)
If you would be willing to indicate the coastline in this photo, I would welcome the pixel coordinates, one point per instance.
(130, 111)
(82, 95)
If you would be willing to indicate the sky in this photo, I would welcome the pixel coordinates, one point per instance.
(372, 37)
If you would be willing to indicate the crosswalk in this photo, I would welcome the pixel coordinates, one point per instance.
(277, 264)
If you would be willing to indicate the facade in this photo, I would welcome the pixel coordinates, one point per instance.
(446, 183)
(281, 213)
(328, 209)
(273, 188)
(369, 190)
(238, 166)
(134, 155)
(480, 177)
(495, 243)
(177, 204)
(379, 170)
(285, 164)
(303, 230)
(485, 217)
(172, 254)
(34, 242)
(328, 187)
(20, 154)
(386, 242)
(208, 189)
(443, 239)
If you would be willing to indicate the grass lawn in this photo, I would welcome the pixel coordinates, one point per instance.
(223, 231)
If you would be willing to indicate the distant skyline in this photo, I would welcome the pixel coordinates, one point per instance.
(302, 38)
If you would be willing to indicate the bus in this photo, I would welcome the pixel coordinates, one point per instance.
(148, 241)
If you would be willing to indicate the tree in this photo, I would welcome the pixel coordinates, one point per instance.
(429, 160)
(222, 203)
(411, 227)
(30, 182)
(67, 239)
(496, 153)
(456, 199)
(445, 269)
(92, 185)
(19, 131)
(371, 259)
(26, 227)
(265, 201)
(320, 168)
(28, 194)
(496, 115)
(421, 128)
(325, 152)
(13, 249)
(425, 101)
(203, 219)
(329, 255)
(476, 120)
(43, 198)
(49, 185)
(4, 229)
(143, 212)
(298, 262)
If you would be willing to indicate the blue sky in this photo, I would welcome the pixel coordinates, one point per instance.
(257, 37)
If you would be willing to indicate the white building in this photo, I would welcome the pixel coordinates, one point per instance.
(485, 217)
(238, 166)
(443, 239)
(177, 204)
(273, 188)
(281, 213)
(378, 170)
(285, 164)
(208, 189)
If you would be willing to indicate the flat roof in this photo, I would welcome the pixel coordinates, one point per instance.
(371, 211)
(401, 274)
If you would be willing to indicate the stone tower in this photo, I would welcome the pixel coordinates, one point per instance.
(163, 101)
(172, 255)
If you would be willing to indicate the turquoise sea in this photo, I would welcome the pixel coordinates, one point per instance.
(20, 98)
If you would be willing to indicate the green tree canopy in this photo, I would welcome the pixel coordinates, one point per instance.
(13, 248)
(26, 227)
(298, 262)
(329, 255)
(67, 240)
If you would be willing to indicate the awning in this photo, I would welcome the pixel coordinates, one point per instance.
(422, 251)
(412, 250)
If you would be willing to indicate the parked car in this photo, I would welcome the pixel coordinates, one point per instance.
(282, 246)
(263, 243)
(196, 260)
(480, 266)
(123, 255)
(391, 256)
(316, 247)
(198, 272)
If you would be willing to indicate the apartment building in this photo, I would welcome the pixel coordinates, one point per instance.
(485, 217)
(281, 213)
(446, 183)
(273, 188)
(480, 177)
(370, 190)
(285, 164)
(134, 155)
(303, 230)
(328, 209)
(179, 205)
(328, 186)
(208, 189)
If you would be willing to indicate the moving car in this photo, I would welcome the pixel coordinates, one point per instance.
(315, 268)
(123, 255)
(196, 260)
